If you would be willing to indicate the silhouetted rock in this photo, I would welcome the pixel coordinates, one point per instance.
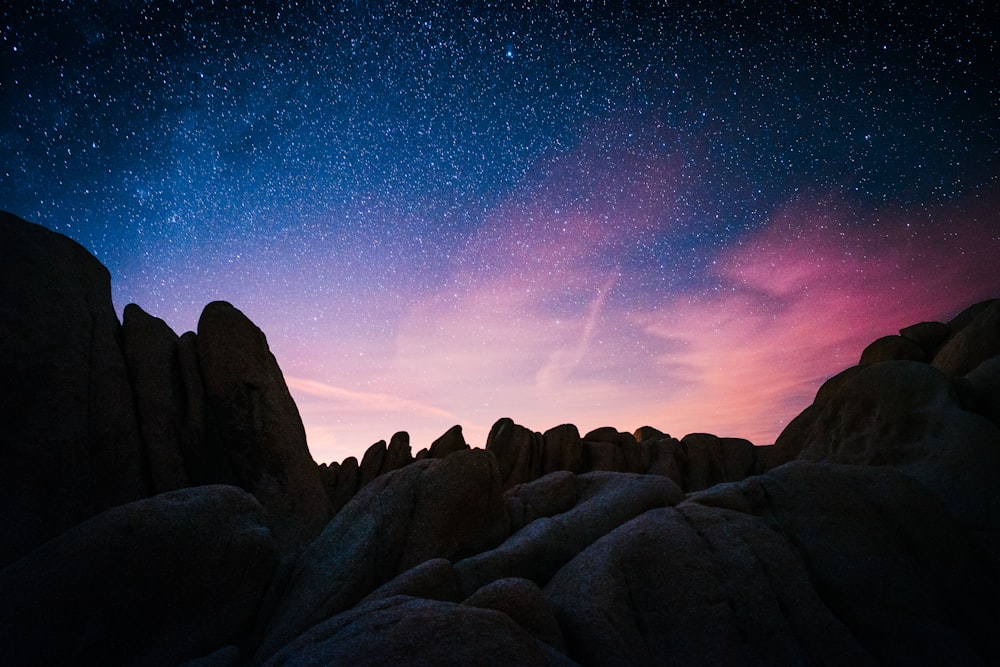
(562, 449)
(156, 581)
(259, 423)
(967, 315)
(668, 458)
(518, 451)
(552, 494)
(205, 456)
(928, 335)
(973, 344)
(410, 631)
(436, 508)
(70, 445)
(710, 460)
(371, 463)
(523, 601)
(398, 453)
(810, 563)
(348, 475)
(605, 500)
(603, 434)
(150, 349)
(452, 441)
(905, 414)
(434, 579)
(892, 348)
(647, 433)
(830, 388)
(984, 382)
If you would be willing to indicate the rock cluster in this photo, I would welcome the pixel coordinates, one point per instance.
(160, 507)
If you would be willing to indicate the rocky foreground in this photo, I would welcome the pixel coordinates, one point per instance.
(160, 506)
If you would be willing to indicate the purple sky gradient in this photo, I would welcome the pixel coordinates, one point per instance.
(684, 214)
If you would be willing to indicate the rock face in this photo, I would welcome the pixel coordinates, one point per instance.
(70, 444)
(172, 512)
(151, 350)
(435, 508)
(809, 563)
(259, 423)
(156, 581)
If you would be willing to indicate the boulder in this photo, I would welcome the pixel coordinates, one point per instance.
(371, 463)
(709, 460)
(549, 495)
(435, 508)
(398, 453)
(967, 315)
(907, 415)
(206, 458)
(890, 348)
(259, 423)
(973, 344)
(70, 445)
(603, 434)
(807, 564)
(928, 335)
(450, 442)
(537, 551)
(410, 631)
(600, 455)
(561, 449)
(348, 475)
(434, 579)
(328, 473)
(522, 600)
(156, 581)
(984, 383)
(647, 433)
(150, 349)
(832, 386)
(518, 452)
(667, 458)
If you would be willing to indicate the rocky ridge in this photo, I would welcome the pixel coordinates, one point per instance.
(161, 506)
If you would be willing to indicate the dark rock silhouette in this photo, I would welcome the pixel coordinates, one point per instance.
(156, 581)
(71, 442)
(160, 506)
(259, 423)
(151, 348)
(452, 441)
(403, 630)
(809, 563)
(435, 508)
(973, 343)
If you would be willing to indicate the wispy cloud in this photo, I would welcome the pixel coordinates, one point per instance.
(562, 361)
(360, 400)
(544, 319)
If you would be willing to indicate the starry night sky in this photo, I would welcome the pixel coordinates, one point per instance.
(679, 214)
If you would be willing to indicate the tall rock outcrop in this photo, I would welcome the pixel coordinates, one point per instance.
(97, 414)
(70, 443)
(151, 350)
(259, 424)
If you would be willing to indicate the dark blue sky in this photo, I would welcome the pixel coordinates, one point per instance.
(343, 171)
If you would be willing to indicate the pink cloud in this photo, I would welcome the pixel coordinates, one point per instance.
(538, 320)
(801, 298)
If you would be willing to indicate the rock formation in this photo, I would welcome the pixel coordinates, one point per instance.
(161, 506)
(71, 442)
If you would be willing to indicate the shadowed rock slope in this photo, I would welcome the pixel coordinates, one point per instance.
(160, 506)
